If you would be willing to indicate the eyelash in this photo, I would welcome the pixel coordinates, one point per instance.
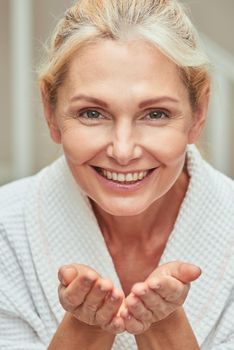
(166, 114)
(82, 113)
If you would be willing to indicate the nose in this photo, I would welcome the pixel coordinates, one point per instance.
(124, 146)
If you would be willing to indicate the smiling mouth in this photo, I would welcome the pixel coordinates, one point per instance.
(124, 178)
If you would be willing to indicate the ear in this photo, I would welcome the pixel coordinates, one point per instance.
(49, 113)
(199, 117)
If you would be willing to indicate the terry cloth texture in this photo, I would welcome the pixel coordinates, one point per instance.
(46, 221)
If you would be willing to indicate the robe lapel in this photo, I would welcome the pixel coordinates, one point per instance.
(202, 235)
(62, 229)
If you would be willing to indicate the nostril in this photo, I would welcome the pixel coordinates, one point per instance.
(124, 152)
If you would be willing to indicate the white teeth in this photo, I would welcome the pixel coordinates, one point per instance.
(120, 177)
(140, 176)
(129, 177)
(109, 175)
(114, 176)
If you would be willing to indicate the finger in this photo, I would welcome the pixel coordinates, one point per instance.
(139, 311)
(74, 295)
(169, 288)
(139, 288)
(184, 272)
(67, 274)
(145, 294)
(188, 272)
(96, 296)
(132, 325)
(159, 307)
(93, 301)
(116, 326)
(110, 307)
(150, 298)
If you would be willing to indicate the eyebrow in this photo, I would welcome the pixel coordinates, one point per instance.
(160, 99)
(142, 104)
(89, 99)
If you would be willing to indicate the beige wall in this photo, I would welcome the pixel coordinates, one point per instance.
(5, 124)
(214, 18)
(45, 14)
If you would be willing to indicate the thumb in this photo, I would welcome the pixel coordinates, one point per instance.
(67, 274)
(184, 272)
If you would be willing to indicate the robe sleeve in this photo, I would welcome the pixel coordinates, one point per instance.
(19, 321)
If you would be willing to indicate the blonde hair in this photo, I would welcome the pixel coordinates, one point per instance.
(163, 23)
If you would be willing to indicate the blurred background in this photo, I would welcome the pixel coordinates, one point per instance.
(25, 25)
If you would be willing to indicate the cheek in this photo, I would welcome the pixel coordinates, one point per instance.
(168, 145)
(81, 144)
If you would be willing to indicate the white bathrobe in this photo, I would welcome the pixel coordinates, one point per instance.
(46, 221)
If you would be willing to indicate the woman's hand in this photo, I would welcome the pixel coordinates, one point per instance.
(164, 291)
(90, 298)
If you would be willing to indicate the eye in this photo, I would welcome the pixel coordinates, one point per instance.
(90, 114)
(157, 114)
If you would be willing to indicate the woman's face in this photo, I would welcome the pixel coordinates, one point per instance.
(124, 120)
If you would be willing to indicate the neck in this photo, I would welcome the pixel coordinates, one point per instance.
(157, 219)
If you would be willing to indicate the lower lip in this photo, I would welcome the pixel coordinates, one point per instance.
(124, 187)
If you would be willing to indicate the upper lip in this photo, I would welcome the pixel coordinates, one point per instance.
(125, 171)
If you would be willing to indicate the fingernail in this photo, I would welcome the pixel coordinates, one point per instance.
(154, 284)
(114, 298)
(116, 324)
(67, 270)
(128, 317)
(67, 267)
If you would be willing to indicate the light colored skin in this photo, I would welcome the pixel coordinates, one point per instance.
(125, 138)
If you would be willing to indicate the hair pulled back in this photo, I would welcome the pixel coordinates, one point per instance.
(163, 23)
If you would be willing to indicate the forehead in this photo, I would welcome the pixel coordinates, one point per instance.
(135, 66)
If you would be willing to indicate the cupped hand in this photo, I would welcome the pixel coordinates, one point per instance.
(164, 291)
(90, 298)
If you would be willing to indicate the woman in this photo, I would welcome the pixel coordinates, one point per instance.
(131, 210)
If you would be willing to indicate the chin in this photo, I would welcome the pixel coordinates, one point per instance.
(123, 207)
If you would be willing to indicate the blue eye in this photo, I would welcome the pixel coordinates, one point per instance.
(91, 114)
(157, 115)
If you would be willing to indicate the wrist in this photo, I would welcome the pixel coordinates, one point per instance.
(93, 331)
(74, 334)
(174, 332)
